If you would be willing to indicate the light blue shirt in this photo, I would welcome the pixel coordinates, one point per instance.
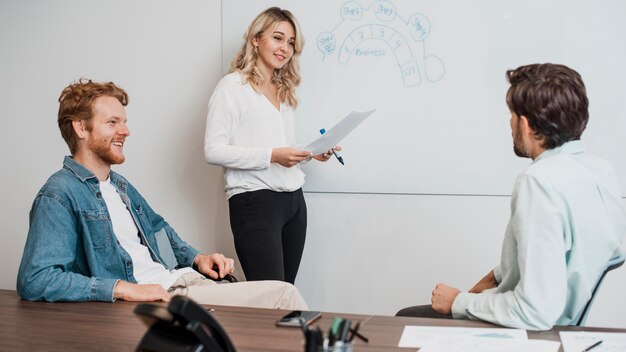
(567, 220)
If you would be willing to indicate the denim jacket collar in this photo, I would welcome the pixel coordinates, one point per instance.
(83, 174)
(78, 170)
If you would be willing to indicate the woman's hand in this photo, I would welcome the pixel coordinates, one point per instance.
(324, 157)
(289, 157)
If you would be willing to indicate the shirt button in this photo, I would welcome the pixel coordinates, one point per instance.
(98, 194)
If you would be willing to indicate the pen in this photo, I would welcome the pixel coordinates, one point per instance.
(355, 332)
(322, 131)
(592, 346)
(344, 327)
(333, 332)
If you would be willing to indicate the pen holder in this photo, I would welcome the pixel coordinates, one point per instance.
(338, 339)
(345, 347)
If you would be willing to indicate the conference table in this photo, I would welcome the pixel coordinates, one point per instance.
(102, 326)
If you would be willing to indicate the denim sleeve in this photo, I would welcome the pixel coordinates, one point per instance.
(183, 252)
(48, 270)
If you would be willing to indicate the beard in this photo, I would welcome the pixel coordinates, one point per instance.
(518, 148)
(102, 148)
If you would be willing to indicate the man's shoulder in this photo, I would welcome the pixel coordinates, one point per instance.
(62, 187)
(62, 181)
(564, 171)
(566, 164)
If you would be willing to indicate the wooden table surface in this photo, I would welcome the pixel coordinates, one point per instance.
(99, 326)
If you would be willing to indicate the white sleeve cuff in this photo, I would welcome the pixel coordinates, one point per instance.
(459, 306)
(268, 157)
(497, 273)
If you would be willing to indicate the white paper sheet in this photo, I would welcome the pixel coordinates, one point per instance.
(333, 136)
(417, 336)
(577, 341)
(489, 344)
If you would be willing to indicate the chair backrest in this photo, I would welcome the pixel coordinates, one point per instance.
(613, 263)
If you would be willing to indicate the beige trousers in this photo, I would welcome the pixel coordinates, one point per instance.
(256, 294)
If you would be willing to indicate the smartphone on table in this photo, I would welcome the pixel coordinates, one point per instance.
(295, 317)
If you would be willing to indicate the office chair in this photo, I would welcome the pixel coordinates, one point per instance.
(167, 254)
(613, 263)
(228, 277)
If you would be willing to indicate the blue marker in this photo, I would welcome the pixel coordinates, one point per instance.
(322, 131)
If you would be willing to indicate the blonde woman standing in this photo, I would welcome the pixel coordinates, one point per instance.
(250, 132)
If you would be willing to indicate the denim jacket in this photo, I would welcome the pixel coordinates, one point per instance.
(72, 254)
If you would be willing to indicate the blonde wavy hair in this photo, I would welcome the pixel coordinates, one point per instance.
(287, 79)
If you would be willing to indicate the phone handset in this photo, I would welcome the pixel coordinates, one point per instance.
(183, 325)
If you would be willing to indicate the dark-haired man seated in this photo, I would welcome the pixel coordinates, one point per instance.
(567, 217)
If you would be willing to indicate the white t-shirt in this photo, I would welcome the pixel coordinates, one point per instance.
(243, 127)
(145, 270)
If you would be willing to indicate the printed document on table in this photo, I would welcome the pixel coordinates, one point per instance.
(417, 336)
(489, 344)
(576, 341)
(333, 136)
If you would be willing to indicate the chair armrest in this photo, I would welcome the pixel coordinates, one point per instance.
(228, 277)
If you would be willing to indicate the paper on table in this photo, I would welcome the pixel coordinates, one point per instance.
(416, 336)
(332, 137)
(488, 344)
(577, 341)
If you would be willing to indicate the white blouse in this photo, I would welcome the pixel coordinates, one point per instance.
(242, 128)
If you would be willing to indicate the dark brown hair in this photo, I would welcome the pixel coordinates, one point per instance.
(553, 99)
(76, 102)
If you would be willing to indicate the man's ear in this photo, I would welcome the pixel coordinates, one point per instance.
(79, 128)
(524, 125)
(527, 130)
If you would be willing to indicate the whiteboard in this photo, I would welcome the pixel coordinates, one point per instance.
(435, 73)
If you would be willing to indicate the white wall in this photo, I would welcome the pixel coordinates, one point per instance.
(364, 253)
(380, 253)
(165, 54)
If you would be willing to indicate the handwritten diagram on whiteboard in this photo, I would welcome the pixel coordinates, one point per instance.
(404, 39)
(435, 73)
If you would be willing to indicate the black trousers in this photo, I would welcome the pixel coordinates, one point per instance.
(425, 311)
(269, 229)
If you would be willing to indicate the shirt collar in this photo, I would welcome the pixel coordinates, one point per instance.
(571, 147)
(78, 170)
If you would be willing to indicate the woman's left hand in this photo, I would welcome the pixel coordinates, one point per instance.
(327, 155)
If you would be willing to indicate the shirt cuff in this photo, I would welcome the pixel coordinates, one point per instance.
(459, 306)
(102, 290)
(497, 273)
(268, 157)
